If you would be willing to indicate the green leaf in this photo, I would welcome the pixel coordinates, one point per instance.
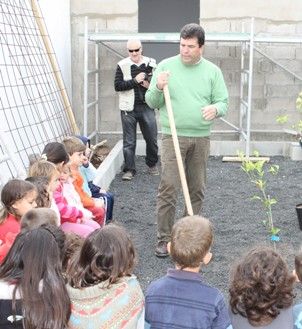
(282, 119)
(256, 197)
(275, 230)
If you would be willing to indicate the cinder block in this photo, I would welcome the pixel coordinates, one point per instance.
(281, 52)
(230, 64)
(279, 78)
(281, 91)
(299, 53)
(263, 65)
(292, 65)
(103, 7)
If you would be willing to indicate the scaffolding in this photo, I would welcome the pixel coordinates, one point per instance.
(247, 40)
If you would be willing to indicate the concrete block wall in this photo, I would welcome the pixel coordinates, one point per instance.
(274, 90)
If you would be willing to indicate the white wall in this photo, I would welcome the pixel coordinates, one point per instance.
(57, 19)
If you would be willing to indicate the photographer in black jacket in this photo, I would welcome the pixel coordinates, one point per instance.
(132, 78)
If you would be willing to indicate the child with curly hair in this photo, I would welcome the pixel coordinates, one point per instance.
(261, 291)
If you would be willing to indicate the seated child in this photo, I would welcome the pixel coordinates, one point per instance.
(72, 217)
(70, 193)
(102, 289)
(75, 149)
(182, 299)
(261, 291)
(88, 173)
(36, 217)
(43, 198)
(17, 197)
(47, 169)
(298, 275)
(73, 245)
(32, 289)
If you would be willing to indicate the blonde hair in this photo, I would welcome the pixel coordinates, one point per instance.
(191, 240)
(43, 168)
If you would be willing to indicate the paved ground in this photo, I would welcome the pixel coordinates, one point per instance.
(236, 219)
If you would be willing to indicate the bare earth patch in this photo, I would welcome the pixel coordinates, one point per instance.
(236, 219)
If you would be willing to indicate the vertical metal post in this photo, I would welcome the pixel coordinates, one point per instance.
(250, 89)
(242, 82)
(96, 87)
(85, 100)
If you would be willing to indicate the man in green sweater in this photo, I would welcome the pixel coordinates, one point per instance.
(198, 96)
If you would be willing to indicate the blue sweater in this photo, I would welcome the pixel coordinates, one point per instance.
(182, 300)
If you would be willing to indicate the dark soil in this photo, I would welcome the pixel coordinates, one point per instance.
(236, 218)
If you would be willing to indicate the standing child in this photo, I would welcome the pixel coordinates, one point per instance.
(261, 291)
(17, 197)
(75, 148)
(102, 289)
(182, 299)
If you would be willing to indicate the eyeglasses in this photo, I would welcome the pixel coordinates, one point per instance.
(134, 50)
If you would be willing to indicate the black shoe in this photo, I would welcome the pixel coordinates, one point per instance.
(161, 249)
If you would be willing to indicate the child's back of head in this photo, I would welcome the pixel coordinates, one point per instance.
(182, 298)
(261, 287)
(106, 254)
(37, 217)
(191, 240)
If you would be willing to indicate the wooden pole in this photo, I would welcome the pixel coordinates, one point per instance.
(177, 152)
(54, 64)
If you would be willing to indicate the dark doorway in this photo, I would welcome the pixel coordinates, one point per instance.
(165, 16)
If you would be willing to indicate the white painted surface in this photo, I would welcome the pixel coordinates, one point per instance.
(57, 19)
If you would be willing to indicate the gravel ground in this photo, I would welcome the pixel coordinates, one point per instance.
(237, 220)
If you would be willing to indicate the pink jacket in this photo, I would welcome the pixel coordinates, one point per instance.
(68, 213)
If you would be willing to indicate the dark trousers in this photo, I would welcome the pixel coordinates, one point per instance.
(145, 117)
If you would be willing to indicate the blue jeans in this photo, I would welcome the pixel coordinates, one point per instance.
(194, 153)
(145, 117)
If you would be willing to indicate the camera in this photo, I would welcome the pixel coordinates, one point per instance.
(148, 77)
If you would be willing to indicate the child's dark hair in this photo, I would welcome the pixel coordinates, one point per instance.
(41, 182)
(36, 217)
(56, 153)
(73, 144)
(191, 240)
(34, 266)
(73, 244)
(298, 264)
(261, 286)
(106, 254)
(12, 191)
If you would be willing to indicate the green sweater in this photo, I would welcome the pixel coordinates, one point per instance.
(191, 88)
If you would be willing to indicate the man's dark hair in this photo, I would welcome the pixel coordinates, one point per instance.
(193, 30)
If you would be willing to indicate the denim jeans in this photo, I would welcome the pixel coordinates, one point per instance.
(145, 117)
(194, 152)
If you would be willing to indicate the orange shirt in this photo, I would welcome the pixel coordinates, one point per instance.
(78, 185)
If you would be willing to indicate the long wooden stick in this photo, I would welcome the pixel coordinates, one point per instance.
(53, 61)
(177, 152)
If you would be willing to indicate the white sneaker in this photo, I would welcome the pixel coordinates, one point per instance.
(128, 175)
